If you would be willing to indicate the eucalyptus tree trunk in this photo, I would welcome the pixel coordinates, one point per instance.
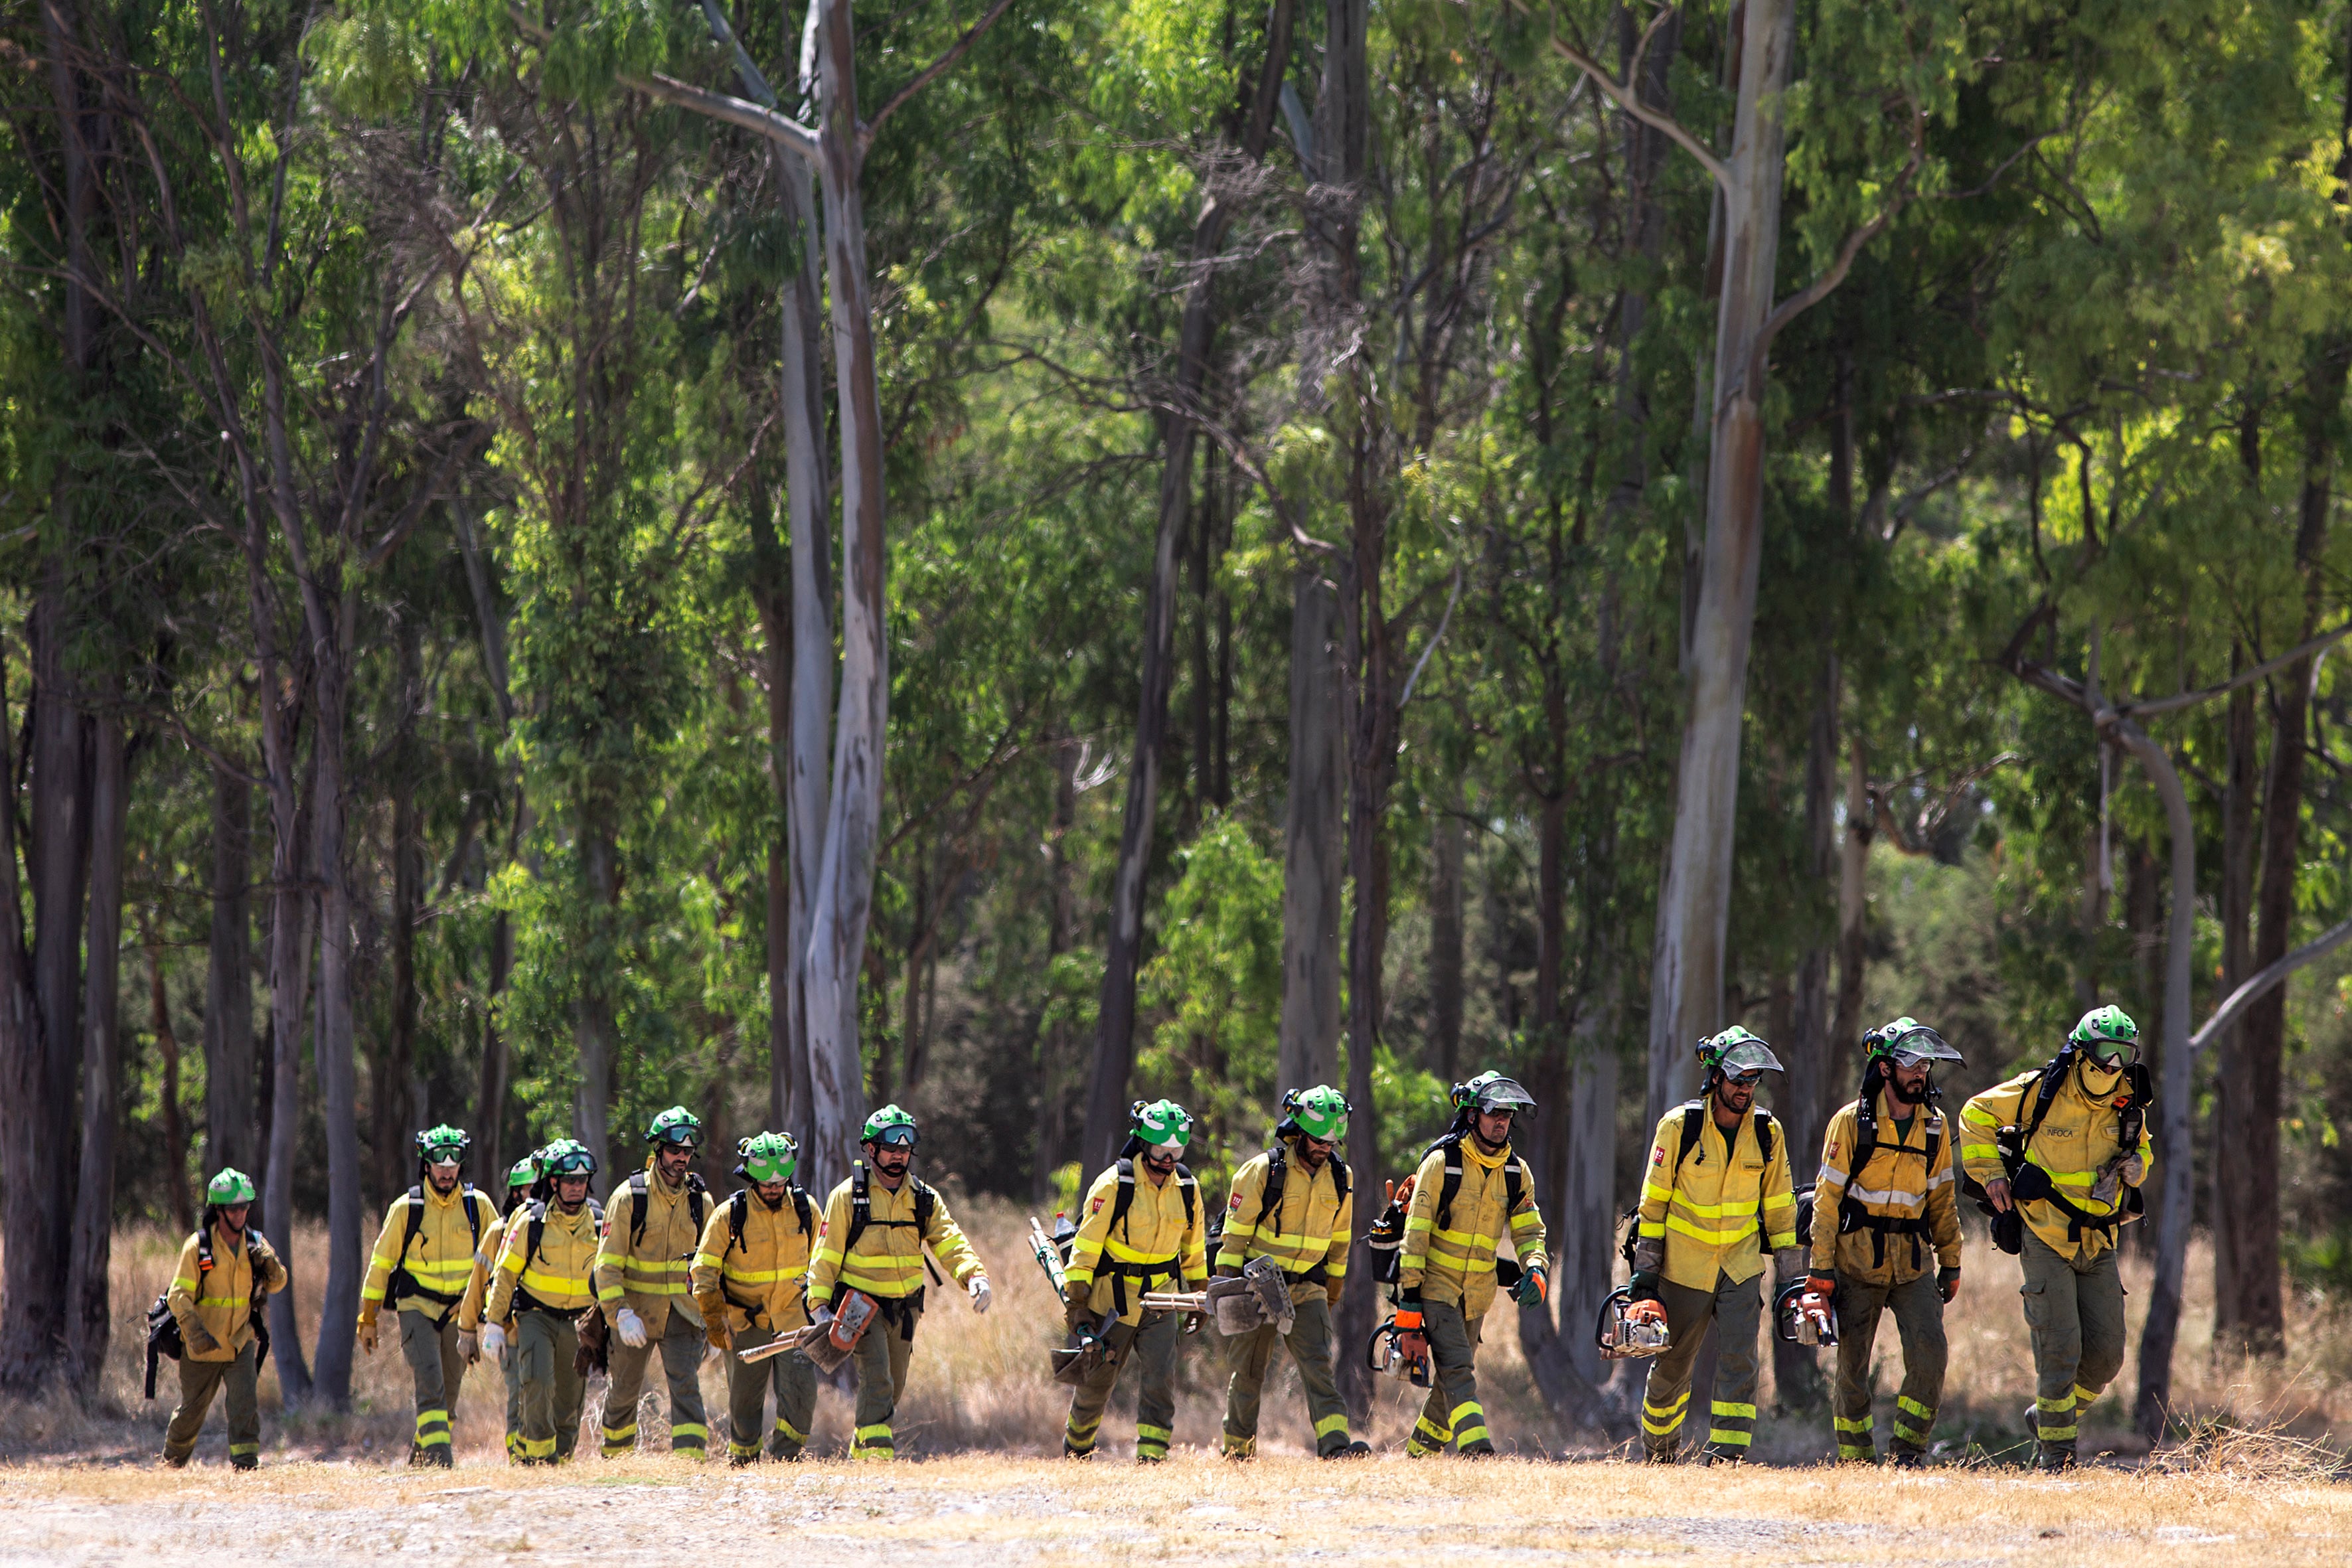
(490, 1112)
(1443, 1052)
(23, 1061)
(2232, 1143)
(1114, 1058)
(229, 1134)
(88, 1314)
(1308, 1048)
(291, 911)
(1694, 904)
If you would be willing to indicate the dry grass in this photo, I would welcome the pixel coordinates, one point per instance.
(980, 1384)
(1194, 1509)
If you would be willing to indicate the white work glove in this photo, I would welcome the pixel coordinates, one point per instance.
(631, 1327)
(979, 1289)
(2135, 1171)
(494, 1342)
(469, 1346)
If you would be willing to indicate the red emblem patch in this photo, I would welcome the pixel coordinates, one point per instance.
(1095, 1207)
(1237, 1204)
(1658, 1156)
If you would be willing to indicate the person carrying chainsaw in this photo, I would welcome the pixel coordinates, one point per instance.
(1469, 1190)
(225, 1268)
(2060, 1154)
(425, 1261)
(643, 1282)
(520, 1178)
(1141, 1229)
(1292, 1204)
(750, 1284)
(1887, 1182)
(543, 1284)
(1716, 1195)
(869, 1263)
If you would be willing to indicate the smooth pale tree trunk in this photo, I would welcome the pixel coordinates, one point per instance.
(1061, 931)
(1816, 1077)
(808, 488)
(1694, 906)
(1308, 1048)
(846, 880)
(1114, 1058)
(230, 1132)
(1853, 905)
(87, 1303)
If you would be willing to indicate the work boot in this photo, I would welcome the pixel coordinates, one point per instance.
(249, 1464)
(177, 1461)
(1905, 1459)
(1358, 1449)
(1722, 1457)
(1070, 1453)
(1658, 1456)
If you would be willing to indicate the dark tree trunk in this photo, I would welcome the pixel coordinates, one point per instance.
(87, 1301)
(332, 1035)
(1309, 1050)
(2237, 900)
(24, 1362)
(230, 1129)
(395, 1064)
(1444, 1051)
(176, 1133)
(1061, 922)
(595, 1029)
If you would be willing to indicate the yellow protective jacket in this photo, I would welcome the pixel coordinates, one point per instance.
(438, 1262)
(219, 1298)
(885, 1259)
(1159, 1240)
(650, 1270)
(1307, 1232)
(2076, 1141)
(1716, 1211)
(558, 1276)
(756, 1271)
(1893, 1180)
(1452, 1259)
(478, 1288)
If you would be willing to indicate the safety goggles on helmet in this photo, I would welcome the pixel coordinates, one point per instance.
(569, 1158)
(677, 1126)
(890, 1127)
(1907, 1042)
(442, 1145)
(2107, 1033)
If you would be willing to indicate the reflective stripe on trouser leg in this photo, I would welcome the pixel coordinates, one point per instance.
(1250, 1354)
(794, 1380)
(877, 1360)
(682, 1344)
(1310, 1349)
(509, 1372)
(1858, 1306)
(432, 1428)
(746, 1394)
(1154, 1357)
(1919, 1308)
(550, 1394)
(1666, 1393)
(1452, 1354)
(624, 1388)
(1738, 1312)
(1084, 1424)
(434, 1370)
(2053, 1314)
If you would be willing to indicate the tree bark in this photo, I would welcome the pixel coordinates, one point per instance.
(1694, 906)
(595, 1026)
(87, 1318)
(2254, 1317)
(1811, 1086)
(1061, 927)
(332, 635)
(396, 1063)
(2230, 1139)
(24, 1363)
(176, 1136)
(490, 1111)
(1445, 848)
(845, 898)
(291, 913)
(1853, 905)
(1309, 1050)
(230, 1135)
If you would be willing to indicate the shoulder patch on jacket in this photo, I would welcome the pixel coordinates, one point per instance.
(1237, 1201)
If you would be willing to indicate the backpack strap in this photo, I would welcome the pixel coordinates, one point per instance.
(861, 1206)
(1693, 1125)
(1190, 1188)
(1452, 1144)
(801, 1207)
(1278, 1177)
(738, 1207)
(1764, 1125)
(637, 1216)
(694, 1195)
(1126, 1199)
(927, 1202)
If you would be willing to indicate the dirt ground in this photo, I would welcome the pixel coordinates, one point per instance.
(1195, 1509)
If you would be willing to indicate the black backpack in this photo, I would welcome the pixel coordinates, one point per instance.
(1852, 1217)
(535, 1231)
(861, 1218)
(403, 1283)
(1693, 1125)
(1386, 1238)
(1119, 1274)
(164, 1336)
(1278, 1177)
(2009, 1229)
(639, 1199)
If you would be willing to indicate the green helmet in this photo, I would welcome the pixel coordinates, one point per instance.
(525, 1172)
(1163, 1124)
(1492, 1091)
(567, 1157)
(890, 1125)
(1320, 1113)
(676, 1125)
(2109, 1026)
(767, 1157)
(231, 1187)
(437, 1145)
(1736, 1052)
(1907, 1042)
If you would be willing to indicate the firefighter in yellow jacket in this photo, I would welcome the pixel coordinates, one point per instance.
(645, 1283)
(544, 1282)
(750, 1284)
(1716, 1195)
(520, 1181)
(424, 1262)
(2061, 1153)
(1470, 1190)
(1885, 1207)
(1141, 1229)
(876, 1224)
(1303, 1219)
(226, 1268)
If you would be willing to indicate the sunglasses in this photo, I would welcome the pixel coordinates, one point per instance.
(1745, 1079)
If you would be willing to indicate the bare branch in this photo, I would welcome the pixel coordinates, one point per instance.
(1813, 293)
(928, 75)
(2243, 998)
(2140, 708)
(777, 128)
(1632, 104)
